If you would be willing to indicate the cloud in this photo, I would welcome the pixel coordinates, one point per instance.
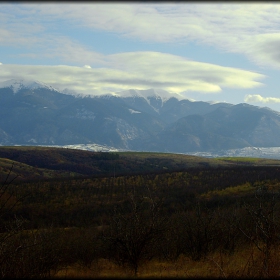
(137, 70)
(264, 49)
(256, 98)
(65, 50)
(252, 29)
(225, 25)
(185, 75)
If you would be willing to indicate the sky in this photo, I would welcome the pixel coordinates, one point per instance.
(202, 51)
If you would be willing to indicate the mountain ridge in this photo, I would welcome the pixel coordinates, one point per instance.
(18, 84)
(139, 120)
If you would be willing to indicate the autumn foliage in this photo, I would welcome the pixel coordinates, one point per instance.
(205, 216)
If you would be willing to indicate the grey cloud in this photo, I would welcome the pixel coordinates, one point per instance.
(206, 76)
(266, 50)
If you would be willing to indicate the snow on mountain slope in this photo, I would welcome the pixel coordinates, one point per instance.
(17, 85)
(154, 97)
(149, 93)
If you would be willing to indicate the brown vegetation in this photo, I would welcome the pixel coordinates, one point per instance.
(209, 220)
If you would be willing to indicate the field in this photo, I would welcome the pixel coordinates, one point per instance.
(68, 213)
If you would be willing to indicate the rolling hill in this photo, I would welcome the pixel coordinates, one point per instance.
(43, 163)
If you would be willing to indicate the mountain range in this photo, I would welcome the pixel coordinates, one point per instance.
(33, 113)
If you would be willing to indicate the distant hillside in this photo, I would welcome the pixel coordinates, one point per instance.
(41, 163)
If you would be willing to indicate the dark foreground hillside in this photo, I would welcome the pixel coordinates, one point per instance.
(173, 216)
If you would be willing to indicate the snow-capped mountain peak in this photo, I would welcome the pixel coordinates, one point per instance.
(19, 84)
(149, 93)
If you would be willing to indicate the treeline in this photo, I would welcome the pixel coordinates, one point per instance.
(49, 225)
(79, 202)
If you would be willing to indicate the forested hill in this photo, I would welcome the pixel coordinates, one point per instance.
(41, 163)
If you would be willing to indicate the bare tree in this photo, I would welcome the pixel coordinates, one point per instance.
(131, 236)
(265, 221)
(23, 254)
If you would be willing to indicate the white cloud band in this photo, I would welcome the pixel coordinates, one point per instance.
(138, 70)
(256, 98)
